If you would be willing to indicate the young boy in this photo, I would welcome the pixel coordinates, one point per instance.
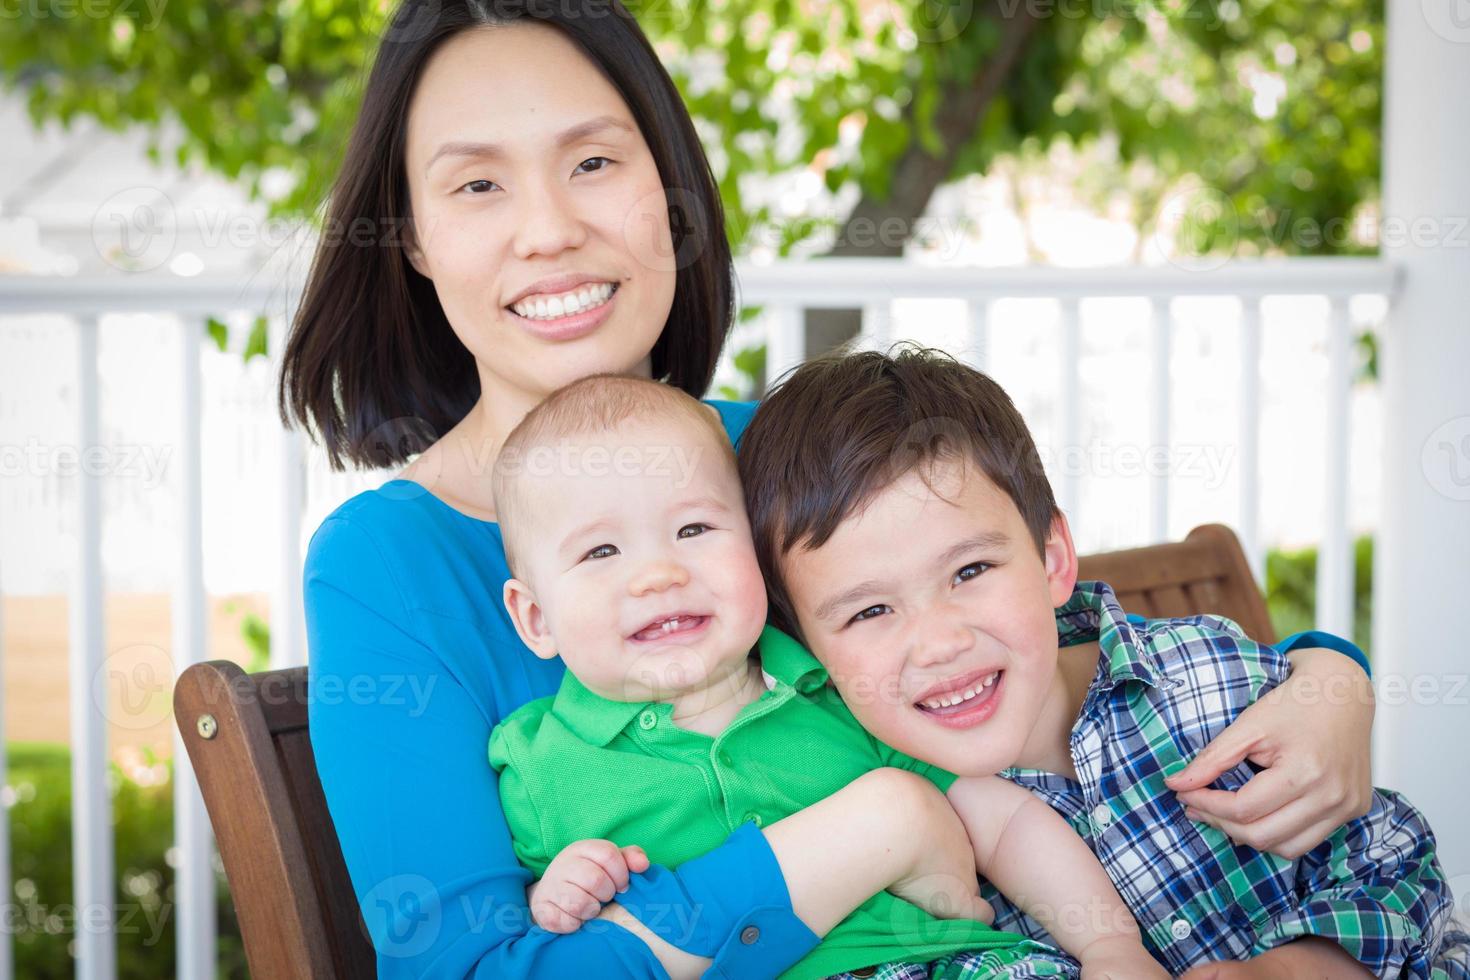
(682, 717)
(910, 539)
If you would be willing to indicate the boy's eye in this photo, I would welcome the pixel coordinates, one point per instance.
(602, 551)
(693, 530)
(872, 612)
(594, 170)
(972, 570)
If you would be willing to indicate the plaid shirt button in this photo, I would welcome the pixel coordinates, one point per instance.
(1180, 929)
(1102, 815)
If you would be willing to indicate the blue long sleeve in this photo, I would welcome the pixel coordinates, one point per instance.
(413, 661)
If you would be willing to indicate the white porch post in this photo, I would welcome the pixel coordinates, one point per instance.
(1422, 561)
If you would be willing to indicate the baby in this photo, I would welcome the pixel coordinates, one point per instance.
(683, 716)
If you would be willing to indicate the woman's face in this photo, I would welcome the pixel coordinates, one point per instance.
(539, 212)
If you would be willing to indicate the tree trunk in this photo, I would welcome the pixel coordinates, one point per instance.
(916, 176)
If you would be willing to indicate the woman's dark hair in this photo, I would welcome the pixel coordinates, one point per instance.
(372, 365)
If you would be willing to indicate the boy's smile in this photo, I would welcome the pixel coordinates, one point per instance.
(934, 613)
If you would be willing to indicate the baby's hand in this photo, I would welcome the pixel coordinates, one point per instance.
(1120, 958)
(579, 880)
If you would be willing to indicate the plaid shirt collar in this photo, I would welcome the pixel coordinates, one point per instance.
(1093, 613)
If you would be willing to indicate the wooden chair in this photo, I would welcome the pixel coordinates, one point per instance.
(247, 739)
(1207, 572)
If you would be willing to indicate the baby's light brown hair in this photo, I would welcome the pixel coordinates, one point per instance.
(597, 404)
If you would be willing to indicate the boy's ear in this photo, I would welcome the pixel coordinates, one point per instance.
(1061, 561)
(530, 622)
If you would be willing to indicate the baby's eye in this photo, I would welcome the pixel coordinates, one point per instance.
(602, 551)
(695, 530)
(485, 184)
(872, 612)
(594, 170)
(972, 570)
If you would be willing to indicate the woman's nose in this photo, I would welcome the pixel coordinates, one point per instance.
(940, 642)
(658, 576)
(547, 223)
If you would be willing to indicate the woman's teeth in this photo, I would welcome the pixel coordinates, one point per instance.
(564, 304)
(950, 700)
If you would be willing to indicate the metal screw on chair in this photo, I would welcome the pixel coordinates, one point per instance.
(207, 726)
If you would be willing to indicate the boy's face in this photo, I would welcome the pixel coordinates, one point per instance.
(934, 614)
(639, 570)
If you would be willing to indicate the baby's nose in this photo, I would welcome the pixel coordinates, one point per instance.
(658, 576)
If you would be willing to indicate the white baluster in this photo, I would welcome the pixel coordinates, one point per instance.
(92, 851)
(1069, 411)
(1249, 435)
(193, 839)
(785, 342)
(1335, 557)
(287, 618)
(1160, 334)
(977, 312)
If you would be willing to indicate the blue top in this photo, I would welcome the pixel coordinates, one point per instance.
(413, 661)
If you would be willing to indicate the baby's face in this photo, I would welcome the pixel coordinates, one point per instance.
(934, 614)
(641, 560)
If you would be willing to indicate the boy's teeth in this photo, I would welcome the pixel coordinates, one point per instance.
(954, 698)
(564, 304)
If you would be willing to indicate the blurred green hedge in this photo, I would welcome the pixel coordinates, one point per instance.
(1291, 591)
(41, 910)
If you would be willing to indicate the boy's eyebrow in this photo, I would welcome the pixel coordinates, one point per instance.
(574, 134)
(833, 603)
(986, 540)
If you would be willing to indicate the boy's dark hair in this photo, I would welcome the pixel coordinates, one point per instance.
(838, 430)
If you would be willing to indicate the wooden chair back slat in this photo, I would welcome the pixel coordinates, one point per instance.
(1207, 572)
(297, 909)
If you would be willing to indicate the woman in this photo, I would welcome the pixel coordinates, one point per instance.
(531, 155)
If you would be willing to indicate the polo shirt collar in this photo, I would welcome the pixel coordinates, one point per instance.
(790, 663)
(1093, 613)
(597, 720)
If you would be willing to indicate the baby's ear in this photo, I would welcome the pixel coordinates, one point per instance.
(530, 621)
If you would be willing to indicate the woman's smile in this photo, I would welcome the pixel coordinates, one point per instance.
(566, 316)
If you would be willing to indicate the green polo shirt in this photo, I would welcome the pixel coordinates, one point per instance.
(578, 766)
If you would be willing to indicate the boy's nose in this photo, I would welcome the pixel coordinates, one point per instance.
(940, 644)
(658, 576)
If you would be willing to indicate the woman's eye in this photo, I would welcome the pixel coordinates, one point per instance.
(601, 551)
(485, 186)
(606, 163)
(972, 570)
(693, 530)
(872, 612)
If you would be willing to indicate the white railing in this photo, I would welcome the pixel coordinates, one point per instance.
(784, 291)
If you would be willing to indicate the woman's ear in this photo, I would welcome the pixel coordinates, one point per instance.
(530, 621)
(414, 253)
(1061, 561)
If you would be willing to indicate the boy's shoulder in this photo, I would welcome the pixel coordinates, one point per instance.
(1205, 649)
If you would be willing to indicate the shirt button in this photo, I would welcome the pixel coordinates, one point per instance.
(647, 720)
(1102, 815)
(754, 818)
(726, 759)
(749, 935)
(1180, 929)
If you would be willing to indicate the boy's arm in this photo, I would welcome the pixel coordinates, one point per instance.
(1038, 862)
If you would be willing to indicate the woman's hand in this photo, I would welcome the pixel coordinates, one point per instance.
(579, 880)
(1311, 734)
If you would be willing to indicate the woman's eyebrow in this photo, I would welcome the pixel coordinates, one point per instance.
(574, 134)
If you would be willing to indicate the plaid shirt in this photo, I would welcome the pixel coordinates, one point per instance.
(1164, 688)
